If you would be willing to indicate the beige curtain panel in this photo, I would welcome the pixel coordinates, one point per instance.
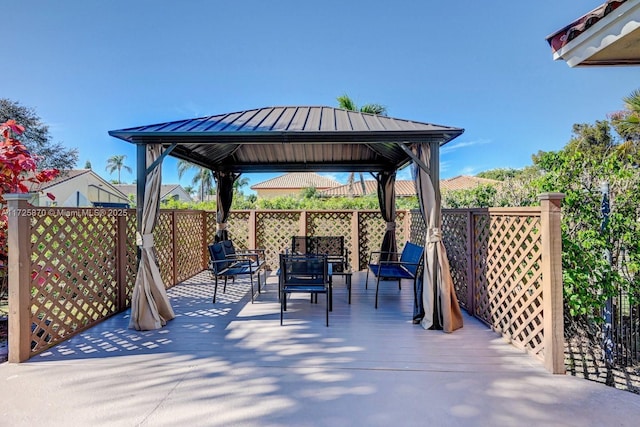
(439, 295)
(150, 307)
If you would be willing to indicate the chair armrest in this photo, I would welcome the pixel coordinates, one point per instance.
(260, 253)
(380, 253)
(212, 263)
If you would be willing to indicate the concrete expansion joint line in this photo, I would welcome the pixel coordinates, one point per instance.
(164, 399)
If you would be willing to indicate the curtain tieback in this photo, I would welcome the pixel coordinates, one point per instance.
(434, 235)
(221, 226)
(391, 226)
(144, 240)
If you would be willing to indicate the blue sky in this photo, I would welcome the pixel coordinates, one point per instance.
(90, 66)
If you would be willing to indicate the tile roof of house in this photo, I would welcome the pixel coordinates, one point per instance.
(404, 188)
(464, 182)
(297, 180)
(561, 37)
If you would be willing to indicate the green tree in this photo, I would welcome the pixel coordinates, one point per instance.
(87, 165)
(36, 137)
(203, 178)
(345, 102)
(627, 122)
(578, 170)
(499, 174)
(116, 163)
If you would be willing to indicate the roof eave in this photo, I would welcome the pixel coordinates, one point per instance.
(304, 137)
(601, 43)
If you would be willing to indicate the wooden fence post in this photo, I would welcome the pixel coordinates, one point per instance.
(253, 232)
(552, 292)
(354, 262)
(19, 213)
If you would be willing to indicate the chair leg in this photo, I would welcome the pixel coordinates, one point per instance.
(327, 309)
(377, 286)
(330, 293)
(366, 282)
(348, 277)
(282, 308)
(252, 292)
(258, 280)
(215, 289)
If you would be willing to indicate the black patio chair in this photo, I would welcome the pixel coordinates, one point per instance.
(304, 274)
(223, 266)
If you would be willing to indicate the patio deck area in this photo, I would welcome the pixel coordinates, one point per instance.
(233, 364)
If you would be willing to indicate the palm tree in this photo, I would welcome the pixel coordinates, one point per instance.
(116, 162)
(345, 102)
(203, 178)
(627, 123)
(239, 183)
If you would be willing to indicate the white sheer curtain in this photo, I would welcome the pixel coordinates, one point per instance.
(439, 298)
(150, 307)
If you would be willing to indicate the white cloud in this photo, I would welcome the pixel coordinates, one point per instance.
(462, 144)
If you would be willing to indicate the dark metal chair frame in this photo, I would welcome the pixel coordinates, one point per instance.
(331, 246)
(225, 263)
(304, 274)
(409, 266)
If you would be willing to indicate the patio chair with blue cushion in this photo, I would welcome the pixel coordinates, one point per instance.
(304, 274)
(409, 266)
(224, 267)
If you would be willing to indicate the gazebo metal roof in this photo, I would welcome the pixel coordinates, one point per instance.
(292, 139)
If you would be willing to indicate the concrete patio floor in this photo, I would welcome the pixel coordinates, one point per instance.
(232, 364)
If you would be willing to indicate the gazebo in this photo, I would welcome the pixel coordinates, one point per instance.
(294, 139)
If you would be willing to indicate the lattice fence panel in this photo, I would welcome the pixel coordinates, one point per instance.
(73, 264)
(131, 255)
(189, 237)
(163, 239)
(371, 228)
(417, 227)
(400, 229)
(238, 228)
(456, 241)
(508, 260)
(210, 226)
(274, 230)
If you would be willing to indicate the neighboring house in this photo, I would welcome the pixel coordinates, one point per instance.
(404, 188)
(608, 35)
(465, 182)
(81, 188)
(167, 192)
(292, 184)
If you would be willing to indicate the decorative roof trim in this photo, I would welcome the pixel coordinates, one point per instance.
(584, 38)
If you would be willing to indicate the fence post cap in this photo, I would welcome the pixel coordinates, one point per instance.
(551, 196)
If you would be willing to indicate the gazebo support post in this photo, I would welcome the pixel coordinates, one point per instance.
(141, 182)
